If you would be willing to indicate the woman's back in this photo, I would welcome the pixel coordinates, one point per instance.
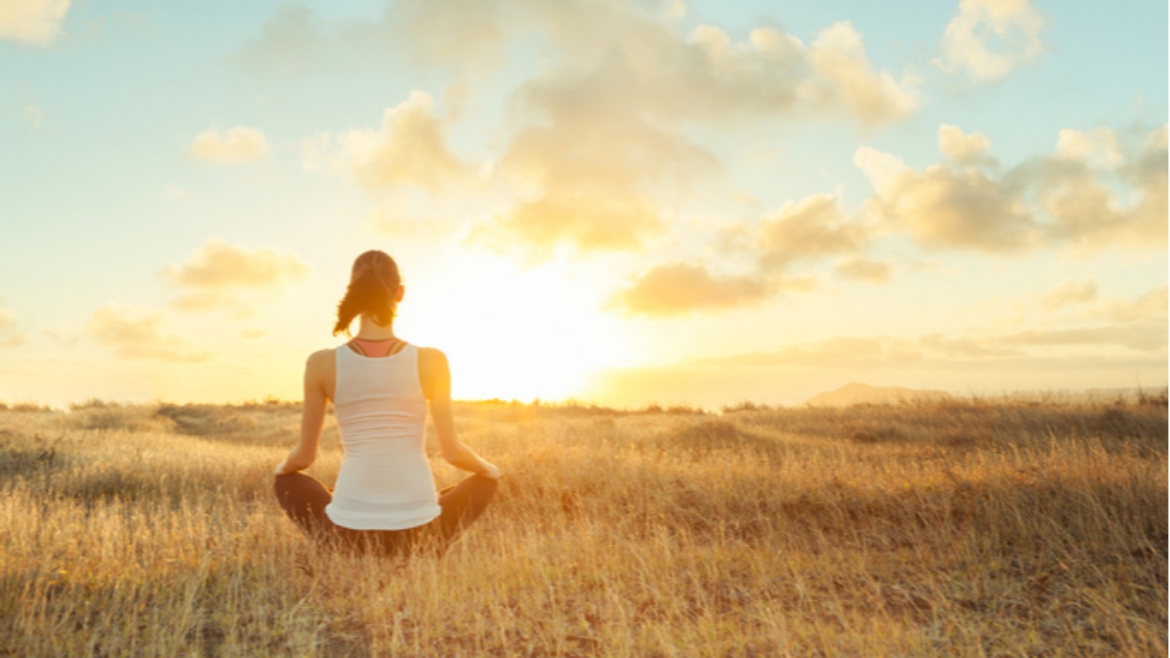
(385, 494)
(385, 480)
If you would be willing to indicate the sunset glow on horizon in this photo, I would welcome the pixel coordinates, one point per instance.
(613, 202)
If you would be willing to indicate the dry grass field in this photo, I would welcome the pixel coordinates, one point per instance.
(967, 528)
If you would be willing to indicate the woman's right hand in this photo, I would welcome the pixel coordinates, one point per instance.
(489, 470)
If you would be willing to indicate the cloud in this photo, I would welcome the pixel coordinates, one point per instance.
(36, 22)
(1146, 337)
(840, 350)
(801, 232)
(868, 351)
(944, 208)
(962, 148)
(938, 345)
(32, 116)
(1051, 201)
(1150, 306)
(1068, 293)
(1099, 148)
(10, 332)
(681, 288)
(838, 56)
(233, 276)
(453, 32)
(860, 268)
(1086, 211)
(1060, 199)
(234, 146)
(987, 39)
(605, 140)
(292, 41)
(807, 230)
(608, 128)
(140, 335)
(409, 149)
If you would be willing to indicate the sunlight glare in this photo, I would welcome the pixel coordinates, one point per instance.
(515, 334)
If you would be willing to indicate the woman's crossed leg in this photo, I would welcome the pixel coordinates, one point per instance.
(303, 497)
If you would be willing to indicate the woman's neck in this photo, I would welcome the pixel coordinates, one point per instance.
(370, 330)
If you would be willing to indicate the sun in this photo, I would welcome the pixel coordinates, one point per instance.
(515, 334)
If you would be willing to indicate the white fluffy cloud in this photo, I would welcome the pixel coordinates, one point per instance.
(807, 230)
(1099, 147)
(1059, 199)
(220, 275)
(410, 149)
(36, 22)
(604, 138)
(798, 233)
(233, 146)
(986, 39)
(942, 207)
(680, 288)
(838, 56)
(606, 129)
(1086, 209)
(963, 148)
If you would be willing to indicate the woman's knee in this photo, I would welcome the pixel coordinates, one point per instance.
(299, 486)
(283, 484)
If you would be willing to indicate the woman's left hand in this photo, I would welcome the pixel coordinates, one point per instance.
(279, 470)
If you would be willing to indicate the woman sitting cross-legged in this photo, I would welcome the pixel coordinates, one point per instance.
(381, 387)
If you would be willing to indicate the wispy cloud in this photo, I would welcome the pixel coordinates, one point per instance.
(1069, 293)
(11, 334)
(238, 145)
(135, 334)
(860, 268)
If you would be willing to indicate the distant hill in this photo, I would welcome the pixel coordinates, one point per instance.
(856, 393)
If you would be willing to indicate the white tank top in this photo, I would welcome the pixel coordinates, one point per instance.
(385, 480)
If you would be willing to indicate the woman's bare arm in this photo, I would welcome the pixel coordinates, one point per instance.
(435, 376)
(313, 415)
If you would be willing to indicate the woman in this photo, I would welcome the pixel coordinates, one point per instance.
(380, 387)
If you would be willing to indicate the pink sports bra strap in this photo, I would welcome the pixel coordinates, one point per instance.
(378, 348)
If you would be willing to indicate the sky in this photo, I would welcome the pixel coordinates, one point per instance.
(620, 203)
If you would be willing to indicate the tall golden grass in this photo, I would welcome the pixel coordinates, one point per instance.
(967, 528)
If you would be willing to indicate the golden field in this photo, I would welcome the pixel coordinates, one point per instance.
(979, 527)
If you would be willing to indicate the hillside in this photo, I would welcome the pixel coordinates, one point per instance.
(856, 393)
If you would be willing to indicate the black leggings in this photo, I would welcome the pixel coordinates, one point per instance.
(304, 498)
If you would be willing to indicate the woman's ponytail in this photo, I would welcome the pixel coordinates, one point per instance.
(372, 291)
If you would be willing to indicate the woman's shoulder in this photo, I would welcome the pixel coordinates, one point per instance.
(431, 356)
(321, 358)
